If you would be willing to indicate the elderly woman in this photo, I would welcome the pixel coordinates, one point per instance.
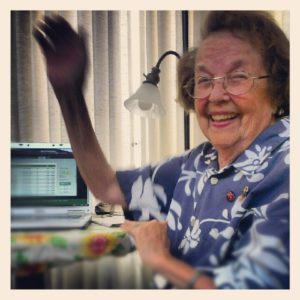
(218, 215)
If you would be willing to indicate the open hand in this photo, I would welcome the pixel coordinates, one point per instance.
(64, 51)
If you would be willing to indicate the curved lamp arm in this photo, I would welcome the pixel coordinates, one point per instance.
(164, 55)
(153, 76)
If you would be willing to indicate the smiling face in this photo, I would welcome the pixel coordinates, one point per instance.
(229, 122)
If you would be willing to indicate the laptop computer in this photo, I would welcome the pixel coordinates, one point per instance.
(47, 191)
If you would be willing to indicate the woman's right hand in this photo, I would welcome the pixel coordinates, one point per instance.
(64, 51)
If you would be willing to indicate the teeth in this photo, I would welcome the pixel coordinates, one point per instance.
(222, 117)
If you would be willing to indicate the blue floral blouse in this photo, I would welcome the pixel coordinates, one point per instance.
(232, 223)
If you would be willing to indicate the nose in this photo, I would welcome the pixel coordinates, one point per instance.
(218, 92)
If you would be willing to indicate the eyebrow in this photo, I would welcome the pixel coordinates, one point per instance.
(236, 64)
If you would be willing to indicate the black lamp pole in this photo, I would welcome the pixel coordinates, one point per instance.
(185, 45)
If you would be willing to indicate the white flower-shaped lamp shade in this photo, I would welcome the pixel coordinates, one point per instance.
(146, 101)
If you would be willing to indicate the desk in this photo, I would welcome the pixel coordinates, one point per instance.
(34, 251)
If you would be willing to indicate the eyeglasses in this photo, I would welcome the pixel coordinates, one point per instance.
(236, 83)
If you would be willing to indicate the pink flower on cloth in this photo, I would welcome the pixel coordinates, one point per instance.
(97, 245)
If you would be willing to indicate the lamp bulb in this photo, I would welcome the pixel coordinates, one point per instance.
(143, 105)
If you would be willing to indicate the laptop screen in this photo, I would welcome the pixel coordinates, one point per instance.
(45, 176)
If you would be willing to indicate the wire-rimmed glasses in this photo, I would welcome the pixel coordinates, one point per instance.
(235, 83)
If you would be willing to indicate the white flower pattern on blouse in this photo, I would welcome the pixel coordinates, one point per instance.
(242, 243)
(142, 193)
(174, 216)
(253, 166)
(192, 236)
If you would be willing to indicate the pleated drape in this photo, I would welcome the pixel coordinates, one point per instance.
(122, 45)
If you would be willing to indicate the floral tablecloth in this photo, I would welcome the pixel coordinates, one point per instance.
(53, 247)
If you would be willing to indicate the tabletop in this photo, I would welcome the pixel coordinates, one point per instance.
(62, 246)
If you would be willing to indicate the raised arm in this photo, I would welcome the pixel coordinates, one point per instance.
(66, 57)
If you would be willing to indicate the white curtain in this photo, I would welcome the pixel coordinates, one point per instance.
(122, 45)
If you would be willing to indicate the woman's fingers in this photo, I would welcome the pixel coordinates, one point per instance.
(130, 226)
(42, 40)
(52, 31)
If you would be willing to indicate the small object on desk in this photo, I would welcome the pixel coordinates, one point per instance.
(104, 209)
(108, 221)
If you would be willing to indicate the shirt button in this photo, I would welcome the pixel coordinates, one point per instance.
(214, 180)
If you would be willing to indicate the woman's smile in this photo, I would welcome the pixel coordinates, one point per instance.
(222, 119)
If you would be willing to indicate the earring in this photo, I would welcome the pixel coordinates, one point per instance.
(280, 112)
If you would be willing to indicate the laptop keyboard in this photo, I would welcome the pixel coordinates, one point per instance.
(35, 218)
(50, 222)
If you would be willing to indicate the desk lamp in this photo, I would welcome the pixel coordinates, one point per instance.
(146, 100)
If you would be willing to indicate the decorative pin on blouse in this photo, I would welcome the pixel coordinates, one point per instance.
(245, 190)
(244, 193)
(230, 196)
